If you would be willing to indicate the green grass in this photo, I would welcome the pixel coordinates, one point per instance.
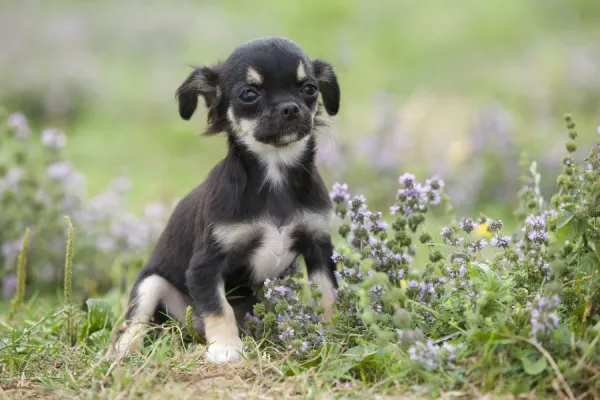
(36, 362)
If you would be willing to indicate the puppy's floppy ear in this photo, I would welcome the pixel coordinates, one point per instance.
(203, 81)
(328, 85)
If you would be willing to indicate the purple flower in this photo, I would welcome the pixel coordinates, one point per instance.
(535, 229)
(53, 139)
(376, 225)
(131, 231)
(495, 225)
(407, 180)
(339, 193)
(538, 237)
(435, 183)
(304, 347)
(106, 243)
(377, 290)
(397, 275)
(9, 286)
(431, 356)
(11, 249)
(18, 122)
(337, 257)
(547, 270)
(284, 291)
(536, 222)
(287, 334)
(75, 184)
(155, 211)
(413, 194)
(59, 171)
(11, 179)
(294, 319)
(500, 241)
(434, 187)
(449, 238)
(120, 185)
(458, 268)
(415, 197)
(477, 245)
(358, 204)
(544, 318)
(466, 224)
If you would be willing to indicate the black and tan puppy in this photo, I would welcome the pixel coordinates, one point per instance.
(260, 208)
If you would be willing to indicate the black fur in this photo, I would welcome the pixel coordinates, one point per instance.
(187, 254)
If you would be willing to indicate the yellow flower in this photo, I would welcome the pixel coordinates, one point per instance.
(482, 230)
(403, 283)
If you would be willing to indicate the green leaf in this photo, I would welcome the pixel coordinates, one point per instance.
(358, 352)
(491, 337)
(564, 220)
(589, 262)
(99, 316)
(572, 230)
(479, 270)
(595, 245)
(578, 228)
(534, 367)
(482, 273)
(562, 232)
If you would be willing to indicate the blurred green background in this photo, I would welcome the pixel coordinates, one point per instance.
(457, 88)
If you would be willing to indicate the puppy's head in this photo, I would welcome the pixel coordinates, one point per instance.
(265, 93)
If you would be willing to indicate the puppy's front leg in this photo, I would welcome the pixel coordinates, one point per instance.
(207, 289)
(321, 268)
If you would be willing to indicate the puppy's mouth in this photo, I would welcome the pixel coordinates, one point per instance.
(285, 140)
(285, 137)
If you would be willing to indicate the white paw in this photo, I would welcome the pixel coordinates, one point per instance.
(131, 339)
(219, 353)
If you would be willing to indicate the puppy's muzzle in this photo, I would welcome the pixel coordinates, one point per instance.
(288, 123)
(288, 110)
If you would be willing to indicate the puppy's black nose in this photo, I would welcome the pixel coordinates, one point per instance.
(288, 109)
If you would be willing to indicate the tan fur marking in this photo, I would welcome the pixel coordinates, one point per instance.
(253, 77)
(300, 72)
(222, 336)
(326, 288)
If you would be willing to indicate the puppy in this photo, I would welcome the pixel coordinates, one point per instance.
(259, 209)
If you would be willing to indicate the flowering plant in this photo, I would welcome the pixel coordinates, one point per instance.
(531, 296)
(37, 188)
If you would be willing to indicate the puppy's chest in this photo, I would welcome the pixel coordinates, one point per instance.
(276, 250)
(272, 244)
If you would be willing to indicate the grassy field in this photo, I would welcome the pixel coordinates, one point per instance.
(457, 89)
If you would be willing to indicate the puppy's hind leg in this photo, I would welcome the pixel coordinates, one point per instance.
(147, 295)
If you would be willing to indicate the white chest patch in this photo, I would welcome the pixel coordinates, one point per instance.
(275, 250)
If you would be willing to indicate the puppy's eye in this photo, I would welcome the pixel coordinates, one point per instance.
(248, 96)
(309, 89)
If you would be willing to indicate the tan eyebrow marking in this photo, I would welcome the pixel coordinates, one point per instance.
(253, 77)
(301, 72)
